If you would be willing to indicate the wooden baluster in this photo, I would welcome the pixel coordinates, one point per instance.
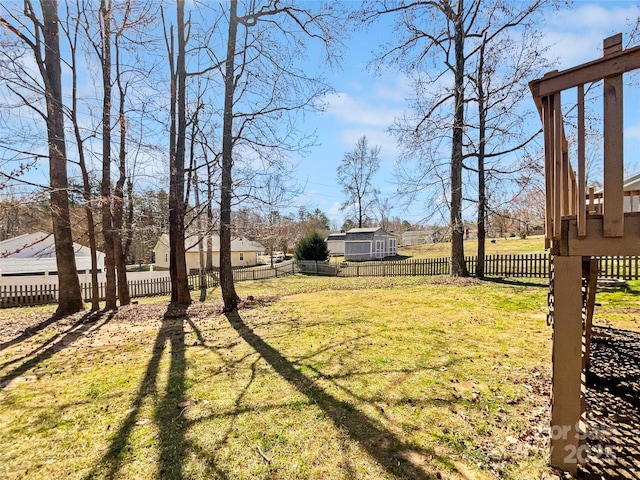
(547, 120)
(582, 213)
(565, 194)
(557, 167)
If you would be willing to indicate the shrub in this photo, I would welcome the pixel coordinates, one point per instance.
(312, 247)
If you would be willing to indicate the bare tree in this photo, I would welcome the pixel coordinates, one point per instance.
(103, 50)
(499, 87)
(272, 35)
(177, 147)
(71, 29)
(355, 173)
(452, 34)
(44, 43)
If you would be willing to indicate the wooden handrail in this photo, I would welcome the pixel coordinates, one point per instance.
(566, 193)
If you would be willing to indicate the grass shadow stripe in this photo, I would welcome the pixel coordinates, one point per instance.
(388, 450)
(79, 329)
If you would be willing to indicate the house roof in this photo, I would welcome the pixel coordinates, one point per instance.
(336, 236)
(37, 245)
(631, 183)
(364, 230)
(366, 233)
(628, 184)
(237, 244)
(36, 253)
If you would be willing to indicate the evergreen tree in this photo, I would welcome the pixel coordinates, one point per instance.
(312, 247)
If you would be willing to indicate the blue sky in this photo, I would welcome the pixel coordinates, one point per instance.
(366, 104)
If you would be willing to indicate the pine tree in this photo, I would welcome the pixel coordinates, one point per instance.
(312, 247)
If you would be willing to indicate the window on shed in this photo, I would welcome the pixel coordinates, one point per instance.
(242, 256)
(393, 246)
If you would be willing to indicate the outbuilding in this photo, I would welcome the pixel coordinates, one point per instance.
(369, 243)
(335, 243)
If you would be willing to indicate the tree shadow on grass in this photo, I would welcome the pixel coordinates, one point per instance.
(516, 282)
(168, 414)
(30, 332)
(89, 321)
(387, 449)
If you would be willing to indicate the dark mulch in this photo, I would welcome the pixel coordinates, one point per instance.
(613, 403)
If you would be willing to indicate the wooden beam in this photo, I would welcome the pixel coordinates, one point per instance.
(612, 44)
(613, 158)
(595, 243)
(613, 64)
(566, 403)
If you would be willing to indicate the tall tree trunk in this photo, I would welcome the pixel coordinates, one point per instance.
(482, 198)
(118, 204)
(177, 262)
(129, 222)
(69, 293)
(203, 277)
(105, 185)
(458, 267)
(209, 264)
(86, 183)
(229, 295)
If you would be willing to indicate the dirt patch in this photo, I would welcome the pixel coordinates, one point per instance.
(129, 323)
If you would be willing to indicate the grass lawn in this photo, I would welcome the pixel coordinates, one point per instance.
(327, 378)
(512, 245)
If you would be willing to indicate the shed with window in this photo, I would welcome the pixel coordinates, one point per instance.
(369, 243)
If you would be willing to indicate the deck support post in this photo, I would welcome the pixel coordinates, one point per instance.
(566, 405)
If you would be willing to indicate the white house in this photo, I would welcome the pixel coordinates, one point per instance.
(369, 243)
(35, 253)
(244, 253)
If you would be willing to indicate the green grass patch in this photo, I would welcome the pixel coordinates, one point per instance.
(494, 246)
(341, 378)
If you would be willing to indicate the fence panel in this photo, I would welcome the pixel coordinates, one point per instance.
(525, 266)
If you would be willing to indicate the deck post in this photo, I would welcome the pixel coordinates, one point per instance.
(566, 404)
(613, 146)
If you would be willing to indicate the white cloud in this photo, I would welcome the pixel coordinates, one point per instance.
(575, 35)
(395, 88)
(386, 141)
(632, 132)
(361, 111)
(593, 16)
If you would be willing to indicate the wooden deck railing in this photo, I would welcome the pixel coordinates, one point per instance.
(566, 191)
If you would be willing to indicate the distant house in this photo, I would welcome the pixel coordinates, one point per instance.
(631, 187)
(335, 243)
(369, 243)
(244, 253)
(416, 237)
(35, 253)
(631, 200)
